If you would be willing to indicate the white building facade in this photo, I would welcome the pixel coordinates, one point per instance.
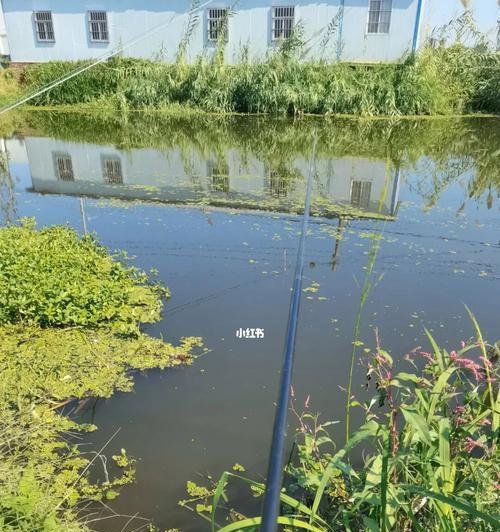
(347, 30)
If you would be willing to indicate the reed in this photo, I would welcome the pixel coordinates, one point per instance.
(441, 81)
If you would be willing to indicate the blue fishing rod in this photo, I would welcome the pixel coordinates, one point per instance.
(271, 504)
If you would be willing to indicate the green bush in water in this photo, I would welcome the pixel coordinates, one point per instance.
(53, 277)
(69, 329)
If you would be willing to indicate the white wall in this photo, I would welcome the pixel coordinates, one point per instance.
(251, 24)
(4, 43)
(176, 179)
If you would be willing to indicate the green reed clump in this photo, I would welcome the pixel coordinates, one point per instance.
(69, 329)
(436, 81)
(430, 459)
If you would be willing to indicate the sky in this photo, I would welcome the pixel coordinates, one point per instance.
(486, 13)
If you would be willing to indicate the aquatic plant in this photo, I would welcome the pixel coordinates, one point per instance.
(430, 460)
(69, 329)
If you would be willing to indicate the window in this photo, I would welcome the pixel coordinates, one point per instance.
(43, 26)
(283, 22)
(360, 194)
(379, 16)
(217, 20)
(98, 26)
(278, 184)
(112, 170)
(63, 167)
(218, 171)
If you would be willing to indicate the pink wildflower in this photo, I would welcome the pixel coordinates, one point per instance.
(471, 444)
(426, 355)
(469, 364)
(485, 422)
(486, 362)
(462, 343)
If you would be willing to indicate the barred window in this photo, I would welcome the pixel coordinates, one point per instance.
(63, 166)
(112, 170)
(218, 172)
(283, 22)
(278, 184)
(98, 26)
(360, 194)
(379, 16)
(217, 21)
(43, 26)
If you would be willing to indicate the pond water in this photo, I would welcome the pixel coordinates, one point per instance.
(406, 210)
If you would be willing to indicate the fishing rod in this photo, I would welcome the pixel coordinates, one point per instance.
(102, 59)
(271, 504)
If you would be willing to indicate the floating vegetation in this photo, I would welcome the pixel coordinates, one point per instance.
(69, 329)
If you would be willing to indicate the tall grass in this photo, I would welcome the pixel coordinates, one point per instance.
(437, 81)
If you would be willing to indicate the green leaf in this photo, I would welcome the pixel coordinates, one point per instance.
(252, 522)
(417, 421)
(457, 503)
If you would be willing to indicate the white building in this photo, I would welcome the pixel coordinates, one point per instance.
(350, 30)
(224, 179)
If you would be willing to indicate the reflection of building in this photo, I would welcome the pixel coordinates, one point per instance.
(351, 30)
(226, 178)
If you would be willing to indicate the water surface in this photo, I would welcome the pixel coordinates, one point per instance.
(409, 208)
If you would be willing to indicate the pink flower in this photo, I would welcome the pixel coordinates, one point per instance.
(426, 355)
(486, 362)
(306, 404)
(462, 343)
(469, 364)
(484, 422)
(471, 444)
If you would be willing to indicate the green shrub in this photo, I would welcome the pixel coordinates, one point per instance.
(54, 277)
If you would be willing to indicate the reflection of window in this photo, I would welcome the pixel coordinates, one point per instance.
(112, 170)
(283, 22)
(44, 27)
(63, 167)
(360, 194)
(98, 26)
(278, 184)
(379, 16)
(217, 23)
(218, 172)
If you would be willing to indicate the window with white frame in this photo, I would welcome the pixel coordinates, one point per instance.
(283, 21)
(98, 26)
(379, 16)
(217, 22)
(63, 166)
(112, 170)
(44, 27)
